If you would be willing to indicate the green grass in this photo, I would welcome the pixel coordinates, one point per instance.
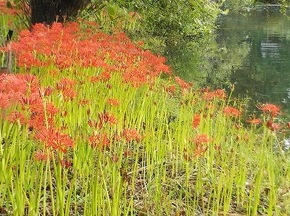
(148, 155)
(147, 176)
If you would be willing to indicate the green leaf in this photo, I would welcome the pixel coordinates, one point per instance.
(111, 11)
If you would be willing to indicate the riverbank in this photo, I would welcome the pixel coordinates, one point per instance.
(94, 124)
(113, 139)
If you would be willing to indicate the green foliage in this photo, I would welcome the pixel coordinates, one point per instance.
(238, 5)
(158, 23)
(176, 19)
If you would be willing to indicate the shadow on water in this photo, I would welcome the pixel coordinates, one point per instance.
(250, 50)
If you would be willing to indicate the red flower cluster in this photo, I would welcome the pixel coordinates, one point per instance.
(271, 109)
(131, 134)
(41, 156)
(184, 85)
(201, 146)
(53, 138)
(230, 111)
(104, 118)
(69, 45)
(24, 92)
(113, 102)
(211, 95)
(14, 89)
(99, 140)
(201, 139)
(196, 120)
(273, 126)
(254, 121)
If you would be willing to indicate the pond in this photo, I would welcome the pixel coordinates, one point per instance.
(250, 50)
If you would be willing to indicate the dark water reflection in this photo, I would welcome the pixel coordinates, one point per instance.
(251, 50)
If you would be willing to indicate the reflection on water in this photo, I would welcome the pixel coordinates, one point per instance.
(252, 51)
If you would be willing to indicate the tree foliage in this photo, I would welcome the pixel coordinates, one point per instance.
(174, 19)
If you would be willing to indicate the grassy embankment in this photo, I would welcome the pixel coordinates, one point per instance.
(89, 127)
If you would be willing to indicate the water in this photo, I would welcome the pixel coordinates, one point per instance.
(250, 50)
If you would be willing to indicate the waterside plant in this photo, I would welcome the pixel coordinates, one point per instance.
(94, 125)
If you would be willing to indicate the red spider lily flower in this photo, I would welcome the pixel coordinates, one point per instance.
(10, 83)
(182, 83)
(105, 76)
(48, 91)
(99, 140)
(76, 46)
(53, 72)
(254, 121)
(94, 79)
(288, 125)
(201, 139)
(65, 83)
(41, 156)
(220, 94)
(69, 94)
(14, 88)
(273, 126)
(53, 138)
(131, 134)
(196, 120)
(112, 120)
(113, 102)
(230, 111)
(83, 102)
(172, 89)
(200, 151)
(51, 110)
(36, 121)
(201, 145)
(208, 96)
(269, 123)
(30, 79)
(32, 99)
(271, 109)
(16, 116)
(5, 101)
(140, 43)
(105, 118)
(162, 68)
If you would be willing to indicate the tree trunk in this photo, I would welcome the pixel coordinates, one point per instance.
(45, 11)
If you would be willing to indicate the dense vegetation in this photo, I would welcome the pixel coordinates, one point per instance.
(94, 123)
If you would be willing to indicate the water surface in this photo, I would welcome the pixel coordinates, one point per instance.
(250, 50)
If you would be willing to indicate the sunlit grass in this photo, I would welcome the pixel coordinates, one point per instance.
(161, 172)
(88, 141)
